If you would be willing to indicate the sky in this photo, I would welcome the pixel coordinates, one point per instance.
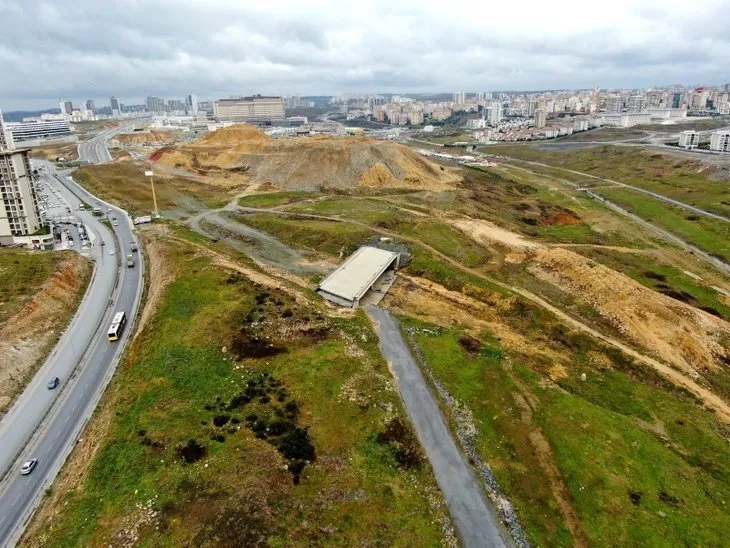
(83, 49)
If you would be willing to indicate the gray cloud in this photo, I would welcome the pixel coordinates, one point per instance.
(132, 48)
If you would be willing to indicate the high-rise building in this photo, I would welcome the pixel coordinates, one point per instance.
(637, 103)
(90, 105)
(68, 108)
(155, 104)
(614, 103)
(19, 216)
(116, 109)
(459, 97)
(540, 118)
(256, 108)
(689, 139)
(676, 100)
(720, 141)
(495, 112)
(7, 142)
(191, 102)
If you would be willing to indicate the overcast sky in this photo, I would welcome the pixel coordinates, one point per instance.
(90, 49)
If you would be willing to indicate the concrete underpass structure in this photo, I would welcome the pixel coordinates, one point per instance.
(365, 276)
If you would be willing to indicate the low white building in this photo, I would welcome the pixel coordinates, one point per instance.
(626, 119)
(720, 141)
(689, 139)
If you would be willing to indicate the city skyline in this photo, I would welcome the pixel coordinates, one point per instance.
(225, 49)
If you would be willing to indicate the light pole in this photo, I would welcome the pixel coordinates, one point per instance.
(150, 174)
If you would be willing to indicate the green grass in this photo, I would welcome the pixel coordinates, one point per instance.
(681, 179)
(274, 199)
(175, 378)
(623, 432)
(22, 273)
(330, 237)
(708, 234)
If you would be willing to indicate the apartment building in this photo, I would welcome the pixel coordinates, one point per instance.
(256, 108)
(720, 141)
(689, 139)
(540, 118)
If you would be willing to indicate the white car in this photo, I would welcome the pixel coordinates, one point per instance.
(28, 466)
(111, 252)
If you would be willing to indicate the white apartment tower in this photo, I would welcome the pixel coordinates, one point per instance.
(256, 108)
(689, 139)
(720, 141)
(19, 217)
(459, 97)
(495, 112)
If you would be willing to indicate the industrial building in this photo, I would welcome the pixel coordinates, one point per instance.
(31, 131)
(256, 108)
(369, 269)
(720, 141)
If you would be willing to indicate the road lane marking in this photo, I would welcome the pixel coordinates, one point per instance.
(67, 417)
(16, 499)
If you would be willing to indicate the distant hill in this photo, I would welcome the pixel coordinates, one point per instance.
(18, 115)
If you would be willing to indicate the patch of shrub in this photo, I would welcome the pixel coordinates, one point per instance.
(221, 420)
(191, 452)
(655, 276)
(406, 449)
(296, 445)
(470, 344)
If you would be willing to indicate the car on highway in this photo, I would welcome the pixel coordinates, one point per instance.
(111, 252)
(53, 383)
(28, 466)
(116, 223)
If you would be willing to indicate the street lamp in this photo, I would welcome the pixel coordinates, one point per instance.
(150, 174)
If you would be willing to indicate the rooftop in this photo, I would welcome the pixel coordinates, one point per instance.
(358, 273)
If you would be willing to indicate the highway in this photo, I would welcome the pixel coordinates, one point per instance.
(45, 424)
(95, 151)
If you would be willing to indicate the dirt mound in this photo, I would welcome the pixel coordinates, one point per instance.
(143, 137)
(307, 163)
(678, 333)
(26, 337)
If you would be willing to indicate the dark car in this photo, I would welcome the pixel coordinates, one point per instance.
(28, 466)
(53, 383)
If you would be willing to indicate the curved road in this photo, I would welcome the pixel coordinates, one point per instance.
(45, 424)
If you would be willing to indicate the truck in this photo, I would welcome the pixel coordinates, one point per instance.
(130, 261)
(142, 220)
(133, 246)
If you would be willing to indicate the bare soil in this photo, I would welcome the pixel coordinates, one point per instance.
(28, 336)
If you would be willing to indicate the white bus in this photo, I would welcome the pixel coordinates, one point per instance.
(115, 330)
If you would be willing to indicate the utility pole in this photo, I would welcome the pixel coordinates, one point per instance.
(150, 174)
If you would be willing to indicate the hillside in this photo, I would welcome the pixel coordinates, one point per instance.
(143, 137)
(307, 163)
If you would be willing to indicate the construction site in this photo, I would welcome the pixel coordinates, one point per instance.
(577, 353)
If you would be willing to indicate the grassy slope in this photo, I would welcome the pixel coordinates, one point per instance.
(621, 434)
(170, 387)
(124, 184)
(707, 234)
(683, 180)
(22, 273)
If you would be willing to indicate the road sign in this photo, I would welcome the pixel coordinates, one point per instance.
(148, 174)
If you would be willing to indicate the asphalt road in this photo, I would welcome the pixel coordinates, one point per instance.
(95, 150)
(472, 514)
(67, 408)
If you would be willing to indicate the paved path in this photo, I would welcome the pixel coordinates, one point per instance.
(472, 514)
